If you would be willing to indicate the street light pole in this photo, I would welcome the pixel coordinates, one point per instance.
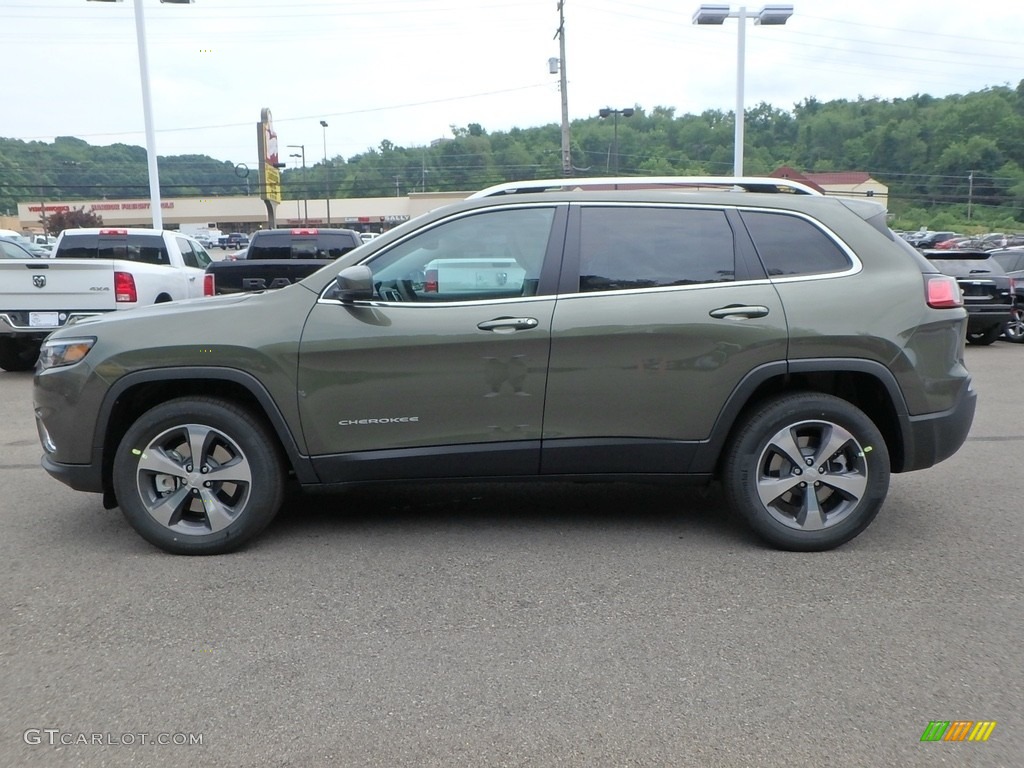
(769, 15)
(147, 109)
(628, 112)
(327, 172)
(305, 189)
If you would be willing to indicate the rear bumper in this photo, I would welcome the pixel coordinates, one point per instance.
(981, 319)
(934, 437)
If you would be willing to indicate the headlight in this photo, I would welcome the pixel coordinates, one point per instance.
(60, 352)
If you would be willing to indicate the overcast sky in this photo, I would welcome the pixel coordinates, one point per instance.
(408, 70)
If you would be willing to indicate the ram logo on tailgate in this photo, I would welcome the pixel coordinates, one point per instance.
(39, 281)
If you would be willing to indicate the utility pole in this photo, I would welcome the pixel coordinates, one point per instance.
(970, 194)
(562, 86)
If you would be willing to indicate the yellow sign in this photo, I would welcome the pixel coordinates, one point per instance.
(266, 141)
(272, 184)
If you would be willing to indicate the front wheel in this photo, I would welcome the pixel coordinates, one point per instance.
(198, 476)
(1014, 328)
(807, 471)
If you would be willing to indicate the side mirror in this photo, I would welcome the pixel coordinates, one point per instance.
(352, 284)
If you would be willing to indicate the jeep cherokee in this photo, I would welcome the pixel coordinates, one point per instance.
(784, 344)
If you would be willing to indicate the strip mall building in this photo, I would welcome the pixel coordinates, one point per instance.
(245, 214)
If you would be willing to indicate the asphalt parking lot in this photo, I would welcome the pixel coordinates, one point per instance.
(557, 625)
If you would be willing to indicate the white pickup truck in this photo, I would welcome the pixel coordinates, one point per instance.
(93, 271)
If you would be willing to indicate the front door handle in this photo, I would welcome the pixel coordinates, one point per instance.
(508, 324)
(739, 310)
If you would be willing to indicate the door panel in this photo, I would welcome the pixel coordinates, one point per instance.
(449, 359)
(669, 315)
(387, 376)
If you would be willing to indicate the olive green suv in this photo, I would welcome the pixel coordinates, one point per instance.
(742, 331)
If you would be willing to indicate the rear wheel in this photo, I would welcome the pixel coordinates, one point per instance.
(198, 476)
(807, 471)
(1014, 328)
(18, 354)
(985, 337)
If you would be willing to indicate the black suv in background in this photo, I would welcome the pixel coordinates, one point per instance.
(988, 291)
(782, 343)
(1012, 260)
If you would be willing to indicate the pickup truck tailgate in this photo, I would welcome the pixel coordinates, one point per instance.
(55, 285)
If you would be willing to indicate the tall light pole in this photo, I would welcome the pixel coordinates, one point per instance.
(147, 109)
(770, 15)
(327, 171)
(627, 112)
(305, 189)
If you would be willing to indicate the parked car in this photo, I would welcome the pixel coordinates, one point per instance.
(932, 239)
(987, 291)
(37, 251)
(233, 240)
(94, 271)
(788, 346)
(1012, 260)
(12, 249)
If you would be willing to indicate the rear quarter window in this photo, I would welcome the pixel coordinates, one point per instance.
(790, 245)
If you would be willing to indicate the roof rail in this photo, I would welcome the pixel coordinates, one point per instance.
(735, 183)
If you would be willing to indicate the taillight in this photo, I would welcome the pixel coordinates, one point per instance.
(208, 285)
(124, 287)
(943, 292)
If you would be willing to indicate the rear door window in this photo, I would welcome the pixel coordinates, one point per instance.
(630, 247)
(192, 253)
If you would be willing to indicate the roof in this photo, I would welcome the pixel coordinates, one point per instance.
(851, 178)
(821, 180)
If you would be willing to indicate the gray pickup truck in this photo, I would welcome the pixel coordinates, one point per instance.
(280, 257)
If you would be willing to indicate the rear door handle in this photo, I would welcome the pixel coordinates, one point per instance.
(508, 324)
(739, 310)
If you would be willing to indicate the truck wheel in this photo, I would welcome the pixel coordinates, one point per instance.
(18, 354)
(807, 471)
(198, 476)
(985, 337)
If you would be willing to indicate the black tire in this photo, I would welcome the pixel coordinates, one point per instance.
(1013, 330)
(18, 354)
(985, 337)
(209, 509)
(780, 443)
